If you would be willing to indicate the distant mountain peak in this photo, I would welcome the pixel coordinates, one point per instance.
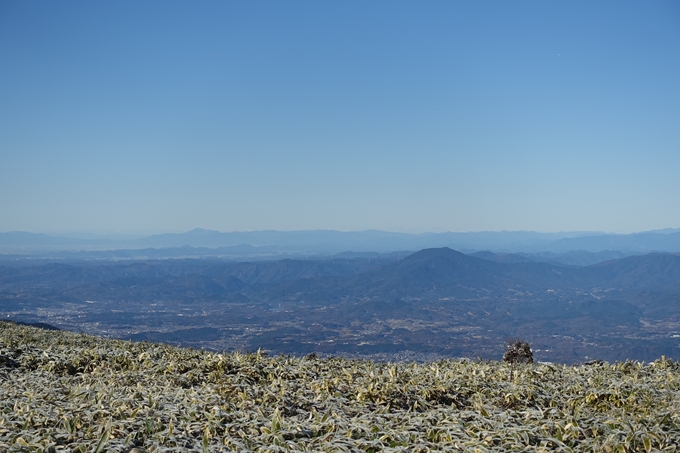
(202, 231)
(440, 252)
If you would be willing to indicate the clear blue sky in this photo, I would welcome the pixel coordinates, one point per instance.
(142, 117)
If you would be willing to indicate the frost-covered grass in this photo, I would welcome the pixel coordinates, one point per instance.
(61, 391)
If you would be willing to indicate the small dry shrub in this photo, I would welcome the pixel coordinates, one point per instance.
(518, 351)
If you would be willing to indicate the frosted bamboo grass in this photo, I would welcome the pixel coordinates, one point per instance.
(61, 391)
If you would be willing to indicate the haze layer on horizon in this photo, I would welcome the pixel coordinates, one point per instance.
(152, 117)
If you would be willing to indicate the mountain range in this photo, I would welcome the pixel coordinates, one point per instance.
(439, 271)
(332, 242)
(435, 301)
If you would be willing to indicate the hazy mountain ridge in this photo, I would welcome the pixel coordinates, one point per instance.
(571, 258)
(206, 242)
(637, 242)
(438, 270)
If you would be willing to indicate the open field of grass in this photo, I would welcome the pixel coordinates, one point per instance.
(62, 391)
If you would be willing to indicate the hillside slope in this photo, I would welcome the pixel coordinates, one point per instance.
(61, 391)
(442, 272)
